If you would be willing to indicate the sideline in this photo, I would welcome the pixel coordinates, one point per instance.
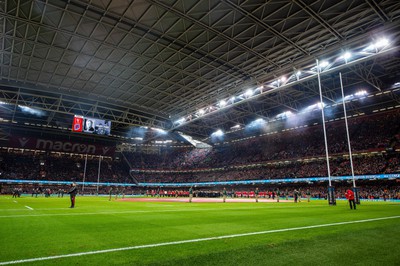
(193, 240)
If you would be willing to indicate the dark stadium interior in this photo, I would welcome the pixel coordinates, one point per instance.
(167, 74)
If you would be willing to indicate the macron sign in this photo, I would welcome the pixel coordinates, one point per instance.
(60, 146)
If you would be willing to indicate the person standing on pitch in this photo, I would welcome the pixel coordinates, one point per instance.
(308, 193)
(110, 193)
(299, 195)
(190, 194)
(350, 196)
(72, 194)
(123, 193)
(224, 194)
(256, 194)
(278, 194)
(295, 195)
(116, 193)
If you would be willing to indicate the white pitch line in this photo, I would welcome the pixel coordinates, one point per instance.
(194, 240)
(29, 207)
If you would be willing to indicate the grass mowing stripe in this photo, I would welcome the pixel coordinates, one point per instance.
(194, 240)
(135, 211)
(29, 207)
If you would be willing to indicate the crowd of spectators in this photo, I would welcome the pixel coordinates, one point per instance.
(290, 154)
(363, 165)
(60, 167)
(367, 133)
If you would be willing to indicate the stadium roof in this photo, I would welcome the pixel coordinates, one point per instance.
(153, 62)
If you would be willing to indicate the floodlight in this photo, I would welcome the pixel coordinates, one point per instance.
(361, 93)
(288, 113)
(324, 64)
(283, 79)
(381, 43)
(346, 56)
(180, 121)
(248, 93)
(298, 73)
(159, 130)
(222, 103)
(201, 112)
(284, 115)
(218, 133)
(320, 105)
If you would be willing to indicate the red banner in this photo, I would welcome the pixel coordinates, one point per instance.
(60, 146)
(77, 126)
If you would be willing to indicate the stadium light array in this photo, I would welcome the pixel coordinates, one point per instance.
(346, 56)
(323, 64)
(361, 93)
(369, 51)
(284, 115)
(358, 94)
(180, 121)
(222, 103)
(248, 93)
(320, 105)
(159, 130)
(379, 44)
(218, 133)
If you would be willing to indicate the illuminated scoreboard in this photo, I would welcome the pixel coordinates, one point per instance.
(91, 125)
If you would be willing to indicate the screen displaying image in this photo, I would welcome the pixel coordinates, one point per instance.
(91, 125)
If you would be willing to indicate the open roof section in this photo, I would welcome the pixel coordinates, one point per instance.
(156, 61)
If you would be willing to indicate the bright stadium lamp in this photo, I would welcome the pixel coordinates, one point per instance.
(218, 133)
(361, 93)
(180, 121)
(320, 105)
(248, 93)
(236, 127)
(381, 43)
(346, 56)
(324, 64)
(222, 103)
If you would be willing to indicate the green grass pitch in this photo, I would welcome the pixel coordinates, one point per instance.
(49, 228)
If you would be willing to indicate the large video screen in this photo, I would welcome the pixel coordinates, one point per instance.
(91, 125)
